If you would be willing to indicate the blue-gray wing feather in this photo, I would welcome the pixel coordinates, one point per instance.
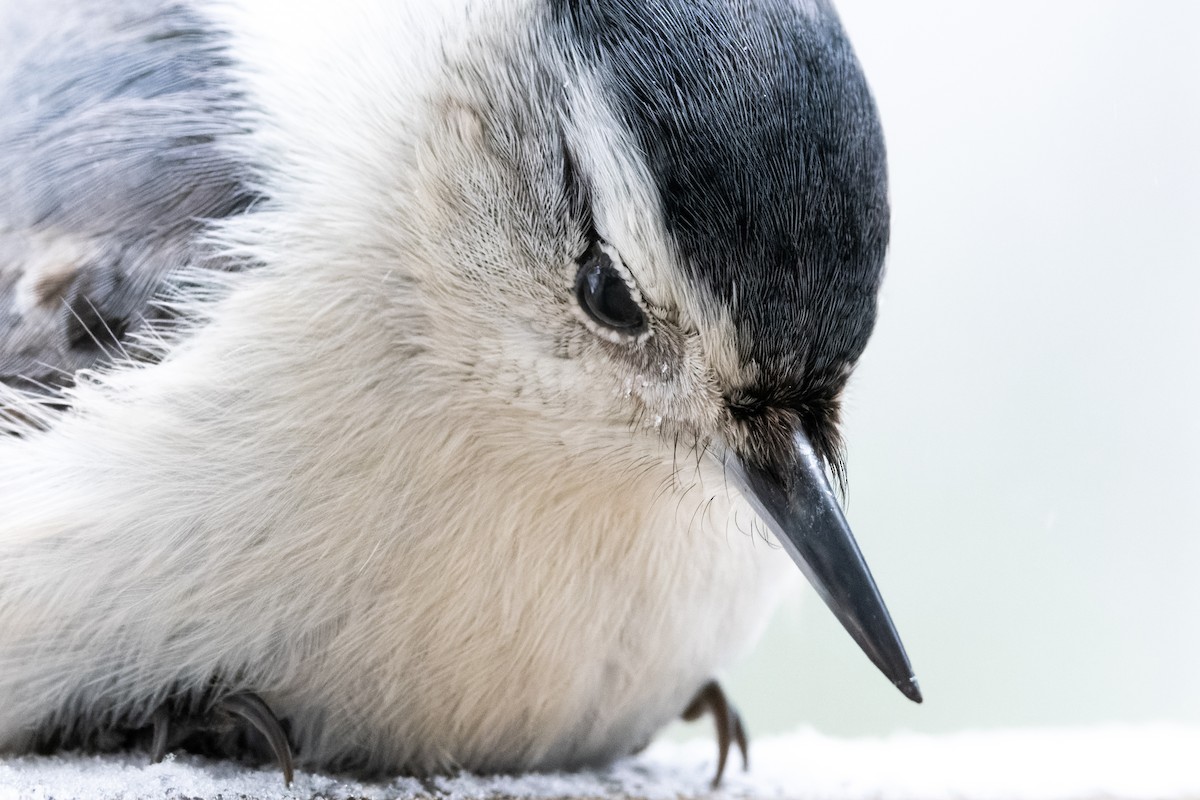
(114, 123)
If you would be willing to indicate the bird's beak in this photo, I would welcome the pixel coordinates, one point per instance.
(794, 498)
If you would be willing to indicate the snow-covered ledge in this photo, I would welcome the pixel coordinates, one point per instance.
(1112, 763)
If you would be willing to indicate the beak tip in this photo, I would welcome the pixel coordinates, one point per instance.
(910, 689)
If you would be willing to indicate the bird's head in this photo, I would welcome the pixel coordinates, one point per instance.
(668, 219)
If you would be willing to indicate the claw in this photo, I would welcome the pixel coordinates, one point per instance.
(244, 706)
(728, 723)
(162, 723)
(251, 708)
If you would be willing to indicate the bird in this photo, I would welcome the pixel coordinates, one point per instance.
(402, 387)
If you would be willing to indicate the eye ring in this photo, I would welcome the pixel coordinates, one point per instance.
(606, 296)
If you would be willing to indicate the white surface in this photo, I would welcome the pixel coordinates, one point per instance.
(1127, 763)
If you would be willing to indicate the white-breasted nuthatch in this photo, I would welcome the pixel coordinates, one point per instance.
(500, 343)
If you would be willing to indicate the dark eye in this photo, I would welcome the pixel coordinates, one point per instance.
(605, 296)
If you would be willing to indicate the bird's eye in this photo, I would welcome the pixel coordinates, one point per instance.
(604, 294)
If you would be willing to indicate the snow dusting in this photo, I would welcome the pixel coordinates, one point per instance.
(1114, 763)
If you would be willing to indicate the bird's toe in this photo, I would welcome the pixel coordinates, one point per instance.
(233, 711)
(711, 698)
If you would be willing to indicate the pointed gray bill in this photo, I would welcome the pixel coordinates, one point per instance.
(798, 504)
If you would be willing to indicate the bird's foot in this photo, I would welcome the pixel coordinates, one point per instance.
(226, 715)
(729, 724)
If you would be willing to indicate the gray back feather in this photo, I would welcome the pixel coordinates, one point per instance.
(112, 122)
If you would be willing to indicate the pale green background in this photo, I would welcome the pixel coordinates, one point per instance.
(1024, 429)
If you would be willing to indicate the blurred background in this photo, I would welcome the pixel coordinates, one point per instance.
(1024, 430)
